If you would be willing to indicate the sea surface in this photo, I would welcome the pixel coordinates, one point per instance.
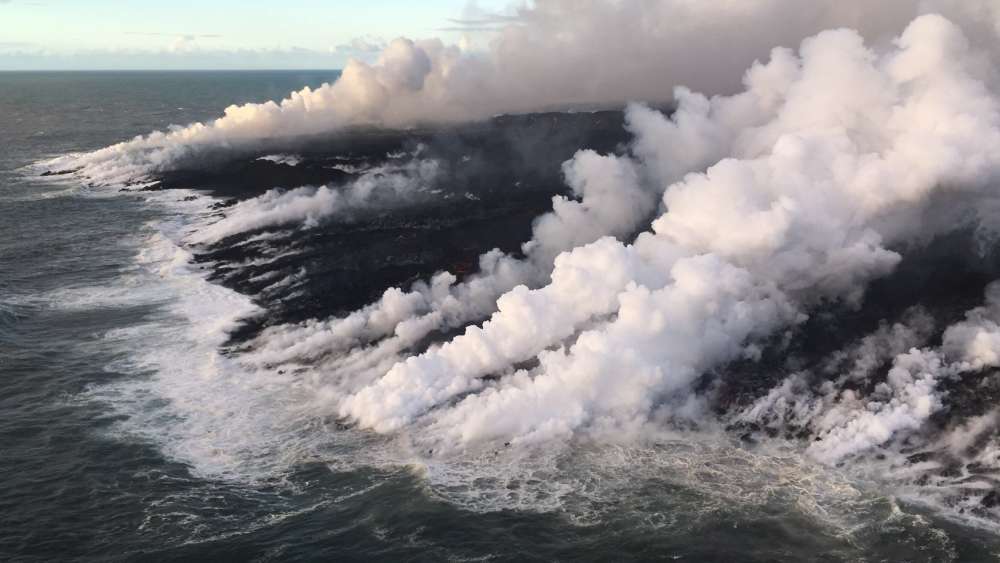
(129, 432)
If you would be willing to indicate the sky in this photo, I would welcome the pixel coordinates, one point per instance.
(223, 34)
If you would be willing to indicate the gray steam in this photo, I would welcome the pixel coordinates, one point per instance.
(558, 54)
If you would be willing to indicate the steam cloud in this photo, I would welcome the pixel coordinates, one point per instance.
(558, 53)
(796, 187)
(844, 422)
(831, 155)
(386, 185)
(611, 201)
(793, 191)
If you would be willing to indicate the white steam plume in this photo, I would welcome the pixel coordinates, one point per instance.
(845, 422)
(609, 199)
(829, 155)
(557, 53)
(384, 186)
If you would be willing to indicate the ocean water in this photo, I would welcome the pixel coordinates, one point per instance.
(132, 427)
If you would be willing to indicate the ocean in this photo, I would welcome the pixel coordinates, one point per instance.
(155, 404)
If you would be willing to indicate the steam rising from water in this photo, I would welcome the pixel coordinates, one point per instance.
(832, 154)
(383, 187)
(557, 54)
(797, 191)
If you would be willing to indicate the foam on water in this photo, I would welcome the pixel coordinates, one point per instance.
(229, 417)
(234, 418)
(238, 418)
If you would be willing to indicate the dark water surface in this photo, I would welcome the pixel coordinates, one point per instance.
(94, 468)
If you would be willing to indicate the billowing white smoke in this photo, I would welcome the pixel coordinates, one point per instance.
(557, 53)
(913, 427)
(799, 189)
(845, 422)
(815, 171)
(829, 155)
(383, 187)
(609, 199)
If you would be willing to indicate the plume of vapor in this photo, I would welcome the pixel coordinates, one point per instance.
(844, 422)
(609, 199)
(383, 186)
(828, 153)
(556, 54)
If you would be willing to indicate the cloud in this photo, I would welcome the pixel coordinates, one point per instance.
(469, 29)
(365, 48)
(186, 36)
(487, 22)
(363, 45)
(181, 42)
(477, 20)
